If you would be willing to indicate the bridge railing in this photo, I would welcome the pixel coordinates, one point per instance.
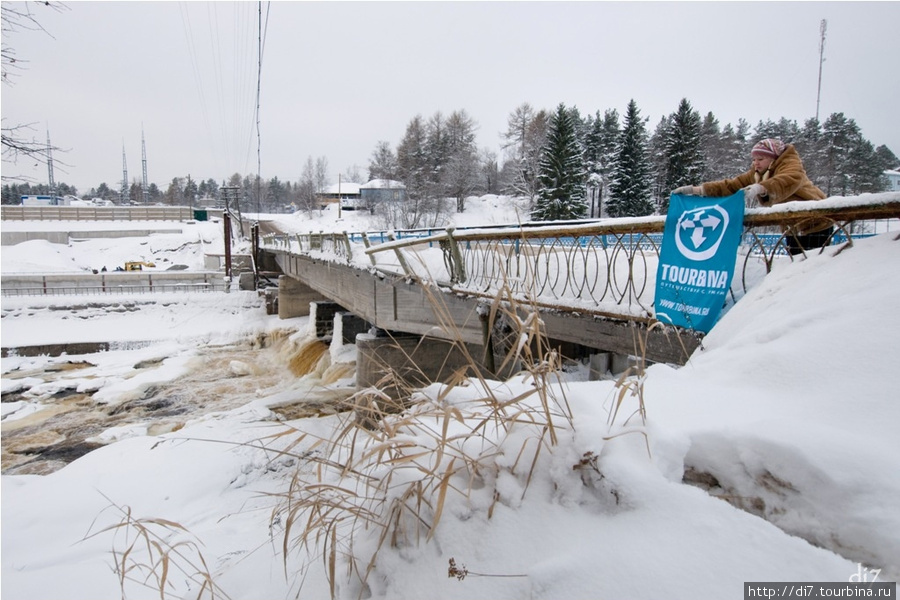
(605, 267)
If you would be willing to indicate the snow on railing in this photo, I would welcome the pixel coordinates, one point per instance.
(606, 266)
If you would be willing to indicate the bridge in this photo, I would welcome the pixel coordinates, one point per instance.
(591, 283)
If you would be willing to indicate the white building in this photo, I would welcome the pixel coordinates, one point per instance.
(893, 180)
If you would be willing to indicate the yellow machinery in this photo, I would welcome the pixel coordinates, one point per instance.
(138, 265)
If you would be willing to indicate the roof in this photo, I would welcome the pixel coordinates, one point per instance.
(346, 188)
(383, 184)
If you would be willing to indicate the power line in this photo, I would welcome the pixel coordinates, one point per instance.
(260, 45)
(228, 134)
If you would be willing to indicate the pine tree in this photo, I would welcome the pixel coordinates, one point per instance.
(866, 174)
(630, 188)
(716, 144)
(887, 160)
(811, 148)
(599, 155)
(412, 159)
(593, 161)
(838, 134)
(562, 172)
(785, 130)
(684, 157)
(609, 136)
(190, 192)
(659, 159)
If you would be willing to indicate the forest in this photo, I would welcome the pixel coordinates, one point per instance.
(569, 166)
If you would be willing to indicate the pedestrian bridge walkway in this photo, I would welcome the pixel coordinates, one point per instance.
(591, 282)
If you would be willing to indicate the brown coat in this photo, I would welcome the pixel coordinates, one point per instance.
(785, 181)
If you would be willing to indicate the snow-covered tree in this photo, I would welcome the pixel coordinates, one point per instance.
(600, 147)
(684, 154)
(383, 162)
(190, 191)
(839, 135)
(785, 130)
(887, 160)
(630, 193)
(460, 173)
(810, 145)
(412, 159)
(659, 159)
(489, 172)
(525, 135)
(562, 173)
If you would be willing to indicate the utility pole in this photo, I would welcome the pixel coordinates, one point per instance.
(822, 27)
(229, 193)
(145, 187)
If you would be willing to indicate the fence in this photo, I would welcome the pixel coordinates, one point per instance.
(604, 267)
(112, 283)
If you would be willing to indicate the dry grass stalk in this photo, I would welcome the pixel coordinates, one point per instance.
(392, 463)
(145, 554)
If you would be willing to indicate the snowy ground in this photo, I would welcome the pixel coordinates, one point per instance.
(790, 410)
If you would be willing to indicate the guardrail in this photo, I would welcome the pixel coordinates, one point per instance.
(605, 267)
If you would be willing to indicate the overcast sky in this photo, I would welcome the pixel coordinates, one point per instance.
(337, 77)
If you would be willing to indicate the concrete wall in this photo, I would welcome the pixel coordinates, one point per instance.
(11, 238)
(102, 213)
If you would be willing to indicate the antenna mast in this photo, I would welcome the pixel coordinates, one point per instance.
(145, 187)
(50, 180)
(124, 193)
(823, 26)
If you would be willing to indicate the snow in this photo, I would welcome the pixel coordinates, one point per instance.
(172, 243)
(791, 406)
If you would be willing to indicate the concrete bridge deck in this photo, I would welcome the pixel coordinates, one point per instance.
(591, 282)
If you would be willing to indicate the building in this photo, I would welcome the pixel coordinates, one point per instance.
(34, 200)
(893, 178)
(348, 195)
(382, 190)
(355, 196)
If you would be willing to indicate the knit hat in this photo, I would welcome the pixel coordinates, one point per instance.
(770, 147)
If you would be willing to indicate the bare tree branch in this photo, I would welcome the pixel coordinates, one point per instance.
(15, 18)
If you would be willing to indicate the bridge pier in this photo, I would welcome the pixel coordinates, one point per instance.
(294, 298)
(391, 362)
(603, 365)
(331, 316)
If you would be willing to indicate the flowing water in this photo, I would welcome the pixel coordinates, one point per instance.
(70, 423)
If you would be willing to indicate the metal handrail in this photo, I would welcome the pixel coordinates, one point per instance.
(606, 266)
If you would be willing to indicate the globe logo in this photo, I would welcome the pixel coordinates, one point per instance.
(699, 232)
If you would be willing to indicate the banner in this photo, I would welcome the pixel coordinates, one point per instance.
(696, 261)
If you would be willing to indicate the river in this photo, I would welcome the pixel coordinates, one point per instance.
(43, 432)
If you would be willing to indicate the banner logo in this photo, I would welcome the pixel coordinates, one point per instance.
(700, 231)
